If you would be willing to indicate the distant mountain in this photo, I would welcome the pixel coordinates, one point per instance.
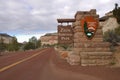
(49, 39)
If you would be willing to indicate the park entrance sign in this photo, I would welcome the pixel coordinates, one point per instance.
(89, 49)
(89, 26)
(65, 34)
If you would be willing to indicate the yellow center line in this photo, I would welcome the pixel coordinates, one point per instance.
(16, 63)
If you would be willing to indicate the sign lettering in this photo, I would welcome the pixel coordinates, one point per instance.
(65, 34)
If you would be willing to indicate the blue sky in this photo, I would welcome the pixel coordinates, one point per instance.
(27, 18)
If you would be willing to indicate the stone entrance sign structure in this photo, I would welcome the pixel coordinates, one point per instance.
(89, 52)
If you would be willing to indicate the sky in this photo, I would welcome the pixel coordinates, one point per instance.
(27, 18)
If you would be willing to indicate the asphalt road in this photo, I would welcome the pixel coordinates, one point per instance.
(44, 65)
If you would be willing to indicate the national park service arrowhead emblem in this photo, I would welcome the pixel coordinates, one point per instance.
(89, 25)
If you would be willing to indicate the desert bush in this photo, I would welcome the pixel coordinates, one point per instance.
(112, 37)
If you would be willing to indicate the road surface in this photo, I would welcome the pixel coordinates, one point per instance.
(45, 65)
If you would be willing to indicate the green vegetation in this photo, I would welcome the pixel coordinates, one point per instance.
(113, 63)
(112, 36)
(117, 31)
(65, 46)
(48, 45)
(2, 45)
(29, 45)
(116, 13)
(32, 44)
(14, 45)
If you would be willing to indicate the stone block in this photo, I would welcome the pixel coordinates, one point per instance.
(77, 27)
(95, 57)
(77, 23)
(84, 64)
(94, 49)
(76, 41)
(83, 39)
(76, 51)
(102, 49)
(77, 30)
(84, 56)
(98, 36)
(78, 45)
(88, 61)
(99, 31)
(74, 63)
(94, 45)
(95, 36)
(102, 44)
(74, 58)
(108, 57)
(92, 64)
(97, 53)
(79, 17)
(97, 39)
(79, 34)
(103, 62)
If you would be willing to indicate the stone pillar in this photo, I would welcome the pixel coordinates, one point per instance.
(74, 58)
(89, 52)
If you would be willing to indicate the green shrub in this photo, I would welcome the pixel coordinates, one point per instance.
(112, 63)
(116, 13)
(65, 46)
(111, 36)
(117, 31)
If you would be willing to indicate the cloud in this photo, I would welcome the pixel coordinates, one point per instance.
(30, 16)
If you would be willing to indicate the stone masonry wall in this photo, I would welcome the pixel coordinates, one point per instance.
(89, 52)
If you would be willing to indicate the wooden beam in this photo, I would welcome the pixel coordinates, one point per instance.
(65, 20)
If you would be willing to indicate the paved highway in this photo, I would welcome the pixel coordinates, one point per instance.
(41, 65)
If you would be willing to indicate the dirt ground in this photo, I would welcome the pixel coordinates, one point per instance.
(100, 72)
(117, 56)
(49, 66)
